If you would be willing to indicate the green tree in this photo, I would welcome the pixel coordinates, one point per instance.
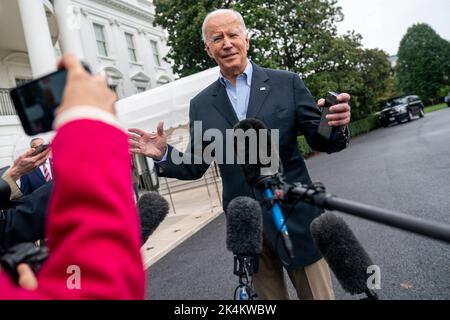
(292, 35)
(183, 20)
(376, 76)
(299, 36)
(365, 74)
(287, 34)
(424, 63)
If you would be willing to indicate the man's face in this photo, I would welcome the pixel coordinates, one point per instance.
(227, 43)
(37, 143)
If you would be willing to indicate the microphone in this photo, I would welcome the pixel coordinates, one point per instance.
(258, 171)
(153, 208)
(252, 157)
(343, 253)
(244, 226)
(244, 239)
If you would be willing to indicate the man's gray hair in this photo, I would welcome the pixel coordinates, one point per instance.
(222, 11)
(34, 139)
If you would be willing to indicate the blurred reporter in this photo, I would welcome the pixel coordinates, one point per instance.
(42, 174)
(22, 218)
(92, 222)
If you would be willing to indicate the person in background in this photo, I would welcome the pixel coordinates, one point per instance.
(39, 176)
(22, 218)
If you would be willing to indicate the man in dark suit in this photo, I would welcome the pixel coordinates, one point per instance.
(281, 101)
(39, 176)
(22, 218)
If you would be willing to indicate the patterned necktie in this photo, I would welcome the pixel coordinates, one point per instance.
(47, 174)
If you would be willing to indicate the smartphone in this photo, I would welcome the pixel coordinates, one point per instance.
(40, 149)
(325, 129)
(37, 100)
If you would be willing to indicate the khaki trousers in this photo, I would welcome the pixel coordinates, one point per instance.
(312, 282)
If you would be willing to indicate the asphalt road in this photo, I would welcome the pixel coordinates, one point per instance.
(403, 167)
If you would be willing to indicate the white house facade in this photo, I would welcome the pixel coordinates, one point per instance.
(116, 36)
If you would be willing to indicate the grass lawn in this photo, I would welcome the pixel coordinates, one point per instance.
(435, 108)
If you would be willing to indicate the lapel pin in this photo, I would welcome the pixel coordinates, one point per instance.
(262, 89)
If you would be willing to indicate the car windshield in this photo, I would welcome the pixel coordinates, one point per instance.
(398, 101)
(394, 102)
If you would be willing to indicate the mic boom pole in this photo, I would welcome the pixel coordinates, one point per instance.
(317, 196)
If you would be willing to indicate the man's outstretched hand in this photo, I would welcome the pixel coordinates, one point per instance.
(151, 145)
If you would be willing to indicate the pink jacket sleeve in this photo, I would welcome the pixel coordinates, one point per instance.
(92, 222)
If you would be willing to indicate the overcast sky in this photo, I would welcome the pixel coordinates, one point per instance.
(383, 23)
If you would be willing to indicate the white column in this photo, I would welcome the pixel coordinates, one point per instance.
(37, 37)
(69, 25)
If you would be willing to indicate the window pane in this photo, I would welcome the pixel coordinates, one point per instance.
(129, 38)
(101, 46)
(100, 38)
(99, 34)
(132, 54)
(130, 45)
(155, 52)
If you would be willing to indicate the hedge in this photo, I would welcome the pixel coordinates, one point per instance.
(360, 127)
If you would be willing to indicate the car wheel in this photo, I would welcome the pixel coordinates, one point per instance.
(421, 113)
(410, 116)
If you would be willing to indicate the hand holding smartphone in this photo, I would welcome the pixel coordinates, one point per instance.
(40, 149)
(37, 100)
(325, 129)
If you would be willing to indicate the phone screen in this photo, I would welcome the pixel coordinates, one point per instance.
(41, 148)
(36, 101)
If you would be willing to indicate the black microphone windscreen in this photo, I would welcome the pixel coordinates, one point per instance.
(343, 252)
(252, 152)
(153, 208)
(244, 226)
(250, 123)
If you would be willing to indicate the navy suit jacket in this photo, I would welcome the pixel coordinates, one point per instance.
(31, 181)
(23, 220)
(280, 100)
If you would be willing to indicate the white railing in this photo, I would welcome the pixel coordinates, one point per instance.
(6, 106)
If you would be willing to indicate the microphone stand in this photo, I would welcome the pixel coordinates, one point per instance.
(245, 266)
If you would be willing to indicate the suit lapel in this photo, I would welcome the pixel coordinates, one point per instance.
(39, 174)
(223, 105)
(258, 92)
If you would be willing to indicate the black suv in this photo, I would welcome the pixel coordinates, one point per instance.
(400, 109)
